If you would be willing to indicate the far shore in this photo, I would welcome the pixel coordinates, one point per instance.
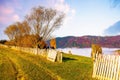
(87, 51)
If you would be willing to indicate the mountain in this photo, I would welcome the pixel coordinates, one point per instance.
(86, 41)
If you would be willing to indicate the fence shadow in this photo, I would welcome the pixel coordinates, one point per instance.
(65, 59)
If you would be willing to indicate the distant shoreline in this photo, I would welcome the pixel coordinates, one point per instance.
(86, 51)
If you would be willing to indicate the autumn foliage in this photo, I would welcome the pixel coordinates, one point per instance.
(53, 43)
(96, 50)
(37, 28)
(17, 30)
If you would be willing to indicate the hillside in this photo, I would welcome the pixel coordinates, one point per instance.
(86, 41)
(15, 65)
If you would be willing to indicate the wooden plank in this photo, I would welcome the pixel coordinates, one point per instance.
(107, 67)
(52, 55)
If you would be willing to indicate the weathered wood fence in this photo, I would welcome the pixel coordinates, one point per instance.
(107, 67)
(50, 54)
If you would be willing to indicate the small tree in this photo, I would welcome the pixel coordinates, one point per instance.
(11, 31)
(17, 30)
(53, 43)
(96, 50)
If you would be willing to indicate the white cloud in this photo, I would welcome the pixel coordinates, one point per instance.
(62, 1)
(6, 10)
(8, 19)
(62, 6)
(8, 15)
(16, 17)
(73, 11)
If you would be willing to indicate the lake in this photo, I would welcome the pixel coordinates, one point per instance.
(86, 51)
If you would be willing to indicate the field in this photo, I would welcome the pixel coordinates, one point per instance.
(16, 65)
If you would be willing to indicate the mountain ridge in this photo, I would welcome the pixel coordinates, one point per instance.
(87, 41)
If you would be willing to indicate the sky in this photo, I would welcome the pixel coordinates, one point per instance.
(83, 17)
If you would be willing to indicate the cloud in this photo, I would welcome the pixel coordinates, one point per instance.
(113, 30)
(7, 19)
(7, 12)
(7, 15)
(16, 17)
(73, 11)
(62, 6)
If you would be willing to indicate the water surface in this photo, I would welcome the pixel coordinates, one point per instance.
(87, 51)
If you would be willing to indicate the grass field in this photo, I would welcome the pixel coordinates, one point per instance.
(15, 65)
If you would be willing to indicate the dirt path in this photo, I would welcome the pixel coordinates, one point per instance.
(9, 69)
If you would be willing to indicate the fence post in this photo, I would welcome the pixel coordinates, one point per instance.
(59, 56)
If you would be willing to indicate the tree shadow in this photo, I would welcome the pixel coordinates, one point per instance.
(65, 59)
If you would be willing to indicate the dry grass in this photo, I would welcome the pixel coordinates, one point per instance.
(34, 67)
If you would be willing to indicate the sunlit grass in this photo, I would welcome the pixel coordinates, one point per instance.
(34, 67)
(7, 69)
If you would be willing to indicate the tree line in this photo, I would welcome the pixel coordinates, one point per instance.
(35, 29)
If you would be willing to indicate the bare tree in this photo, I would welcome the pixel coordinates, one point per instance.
(44, 21)
(26, 28)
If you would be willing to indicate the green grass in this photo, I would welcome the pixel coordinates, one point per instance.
(24, 66)
(7, 70)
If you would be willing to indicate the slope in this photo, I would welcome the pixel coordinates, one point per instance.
(27, 66)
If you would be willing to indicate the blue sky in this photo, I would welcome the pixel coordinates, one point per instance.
(83, 17)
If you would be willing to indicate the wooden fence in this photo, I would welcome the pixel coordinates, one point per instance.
(42, 52)
(107, 67)
(50, 54)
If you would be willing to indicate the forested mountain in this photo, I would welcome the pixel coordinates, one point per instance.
(86, 41)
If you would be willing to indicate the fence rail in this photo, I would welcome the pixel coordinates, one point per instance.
(107, 67)
(43, 52)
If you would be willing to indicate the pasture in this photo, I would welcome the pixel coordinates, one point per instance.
(25, 66)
